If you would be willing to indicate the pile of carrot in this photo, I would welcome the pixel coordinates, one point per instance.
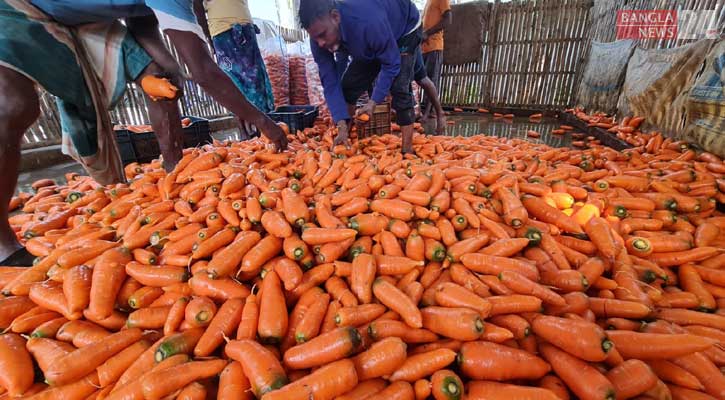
(484, 268)
(627, 129)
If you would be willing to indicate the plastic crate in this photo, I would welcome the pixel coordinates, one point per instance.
(379, 123)
(297, 118)
(145, 146)
(125, 147)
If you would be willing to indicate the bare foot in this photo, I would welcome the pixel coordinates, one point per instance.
(441, 125)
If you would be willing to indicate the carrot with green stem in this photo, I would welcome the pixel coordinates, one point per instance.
(514, 213)
(225, 321)
(294, 247)
(259, 364)
(144, 297)
(584, 380)
(49, 328)
(263, 251)
(446, 385)
(491, 361)
(177, 343)
(580, 338)
(456, 323)
(226, 261)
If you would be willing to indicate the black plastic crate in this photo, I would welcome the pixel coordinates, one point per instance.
(297, 118)
(145, 146)
(125, 147)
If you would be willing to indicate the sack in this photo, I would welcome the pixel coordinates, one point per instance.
(315, 92)
(274, 53)
(604, 76)
(298, 74)
(706, 104)
(657, 84)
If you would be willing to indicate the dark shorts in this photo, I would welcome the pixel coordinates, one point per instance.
(433, 64)
(360, 77)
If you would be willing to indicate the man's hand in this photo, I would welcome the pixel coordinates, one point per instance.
(368, 108)
(275, 134)
(342, 134)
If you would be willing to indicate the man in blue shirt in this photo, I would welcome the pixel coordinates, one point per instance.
(381, 38)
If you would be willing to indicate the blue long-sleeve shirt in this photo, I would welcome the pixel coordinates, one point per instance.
(369, 31)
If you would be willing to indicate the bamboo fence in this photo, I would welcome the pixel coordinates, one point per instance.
(531, 57)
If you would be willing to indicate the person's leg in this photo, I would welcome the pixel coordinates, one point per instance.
(432, 95)
(403, 101)
(433, 64)
(419, 76)
(19, 108)
(166, 121)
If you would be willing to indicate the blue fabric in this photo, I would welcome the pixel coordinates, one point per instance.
(77, 12)
(369, 31)
(239, 57)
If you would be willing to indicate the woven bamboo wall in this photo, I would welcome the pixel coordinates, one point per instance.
(531, 57)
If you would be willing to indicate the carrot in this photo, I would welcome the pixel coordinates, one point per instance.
(421, 365)
(261, 366)
(358, 315)
(177, 343)
(327, 382)
(217, 289)
(108, 276)
(479, 390)
(394, 208)
(323, 349)
(294, 247)
(453, 295)
(158, 384)
(208, 246)
(584, 380)
(158, 88)
(580, 338)
(514, 303)
(275, 224)
(81, 362)
(111, 370)
(657, 346)
(522, 285)
(273, 322)
(446, 385)
(49, 328)
(538, 208)
(397, 301)
(316, 236)
(364, 389)
(455, 323)
(144, 297)
(689, 317)
(691, 282)
(493, 265)
(361, 279)
(233, 384)
(705, 371)
(263, 251)
(670, 372)
(399, 390)
(222, 325)
(618, 308)
(310, 323)
(17, 367)
(382, 359)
